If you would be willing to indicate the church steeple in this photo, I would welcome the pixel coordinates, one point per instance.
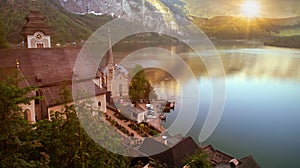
(109, 65)
(36, 32)
(109, 54)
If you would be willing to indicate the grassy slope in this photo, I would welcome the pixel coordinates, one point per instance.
(67, 27)
(289, 41)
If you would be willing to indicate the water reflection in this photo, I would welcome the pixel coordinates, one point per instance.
(265, 62)
(262, 111)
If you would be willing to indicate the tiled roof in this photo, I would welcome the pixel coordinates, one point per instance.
(47, 68)
(52, 93)
(216, 156)
(223, 160)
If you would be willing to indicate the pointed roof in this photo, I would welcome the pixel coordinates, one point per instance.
(216, 156)
(109, 54)
(173, 156)
(35, 22)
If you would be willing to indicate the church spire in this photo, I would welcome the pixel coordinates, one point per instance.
(110, 70)
(109, 54)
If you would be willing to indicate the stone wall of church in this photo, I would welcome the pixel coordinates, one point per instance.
(120, 86)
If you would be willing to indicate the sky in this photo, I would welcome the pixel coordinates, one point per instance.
(268, 8)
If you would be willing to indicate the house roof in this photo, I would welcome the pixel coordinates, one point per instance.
(48, 68)
(216, 156)
(223, 160)
(7, 72)
(174, 156)
(52, 93)
(35, 22)
(152, 147)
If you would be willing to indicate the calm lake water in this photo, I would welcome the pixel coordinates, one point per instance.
(262, 107)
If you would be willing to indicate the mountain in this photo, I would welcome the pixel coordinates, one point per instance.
(76, 20)
(67, 27)
(111, 7)
(230, 27)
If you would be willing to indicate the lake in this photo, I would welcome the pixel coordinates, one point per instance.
(261, 116)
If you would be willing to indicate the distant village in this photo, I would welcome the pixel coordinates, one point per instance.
(140, 124)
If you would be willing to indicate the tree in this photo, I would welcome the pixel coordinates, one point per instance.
(3, 42)
(197, 160)
(140, 87)
(18, 147)
(59, 142)
(67, 143)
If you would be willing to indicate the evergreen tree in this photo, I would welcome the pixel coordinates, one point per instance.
(18, 147)
(3, 42)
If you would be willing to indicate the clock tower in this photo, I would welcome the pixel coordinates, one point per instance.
(36, 32)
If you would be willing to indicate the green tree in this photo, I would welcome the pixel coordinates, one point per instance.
(59, 142)
(67, 143)
(197, 160)
(18, 147)
(3, 42)
(140, 87)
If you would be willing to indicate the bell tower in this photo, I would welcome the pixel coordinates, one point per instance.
(36, 32)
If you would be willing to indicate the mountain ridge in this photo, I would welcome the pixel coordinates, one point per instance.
(70, 27)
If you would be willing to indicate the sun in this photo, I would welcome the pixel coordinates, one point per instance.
(250, 9)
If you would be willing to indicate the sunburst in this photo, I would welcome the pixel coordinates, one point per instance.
(250, 8)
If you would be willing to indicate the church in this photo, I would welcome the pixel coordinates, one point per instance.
(51, 68)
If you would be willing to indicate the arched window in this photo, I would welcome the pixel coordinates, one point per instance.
(39, 45)
(99, 103)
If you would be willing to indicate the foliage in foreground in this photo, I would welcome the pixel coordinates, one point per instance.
(61, 142)
(197, 160)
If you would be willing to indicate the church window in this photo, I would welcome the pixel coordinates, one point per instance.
(39, 45)
(37, 101)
